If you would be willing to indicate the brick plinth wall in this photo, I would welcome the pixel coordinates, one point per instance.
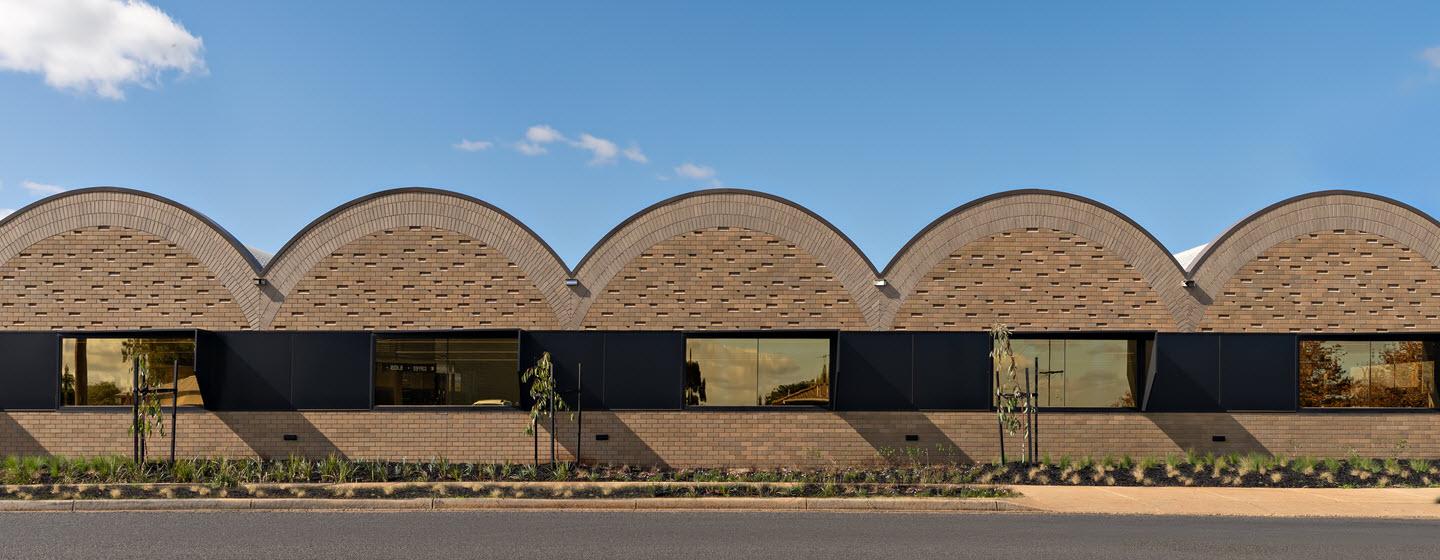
(724, 438)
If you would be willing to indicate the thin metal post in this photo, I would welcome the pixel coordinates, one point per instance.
(999, 424)
(553, 395)
(1028, 398)
(579, 409)
(135, 409)
(1035, 432)
(174, 406)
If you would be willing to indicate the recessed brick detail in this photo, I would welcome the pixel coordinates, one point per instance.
(735, 209)
(112, 278)
(415, 278)
(1034, 279)
(1127, 252)
(1333, 281)
(724, 278)
(401, 210)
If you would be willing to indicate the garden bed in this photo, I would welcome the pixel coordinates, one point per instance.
(893, 479)
(495, 490)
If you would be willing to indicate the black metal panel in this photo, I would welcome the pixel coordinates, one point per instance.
(1257, 371)
(644, 370)
(570, 352)
(874, 371)
(247, 370)
(952, 371)
(30, 373)
(1187, 373)
(331, 370)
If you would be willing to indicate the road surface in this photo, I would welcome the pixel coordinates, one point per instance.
(698, 535)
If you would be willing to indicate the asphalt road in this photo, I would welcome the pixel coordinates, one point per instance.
(698, 535)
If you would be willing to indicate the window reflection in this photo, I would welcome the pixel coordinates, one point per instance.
(100, 371)
(1079, 373)
(447, 371)
(1367, 373)
(757, 371)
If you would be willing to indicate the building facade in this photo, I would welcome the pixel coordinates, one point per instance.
(721, 327)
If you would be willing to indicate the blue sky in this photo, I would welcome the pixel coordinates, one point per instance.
(879, 116)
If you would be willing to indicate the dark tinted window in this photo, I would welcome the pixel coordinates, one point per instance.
(447, 371)
(101, 371)
(1367, 373)
(757, 371)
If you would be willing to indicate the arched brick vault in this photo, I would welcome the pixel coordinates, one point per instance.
(1335, 245)
(1059, 224)
(150, 220)
(470, 229)
(747, 222)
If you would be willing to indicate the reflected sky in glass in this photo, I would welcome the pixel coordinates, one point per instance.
(1079, 373)
(742, 371)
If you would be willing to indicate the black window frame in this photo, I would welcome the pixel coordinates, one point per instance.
(1301, 338)
(831, 336)
(515, 334)
(195, 335)
(1142, 365)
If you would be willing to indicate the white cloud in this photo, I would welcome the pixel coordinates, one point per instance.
(41, 189)
(634, 154)
(543, 134)
(536, 137)
(697, 172)
(1431, 56)
(6, 212)
(467, 145)
(602, 151)
(97, 46)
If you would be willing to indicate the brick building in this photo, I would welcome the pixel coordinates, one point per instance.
(722, 327)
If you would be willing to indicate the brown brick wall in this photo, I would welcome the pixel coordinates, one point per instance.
(415, 278)
(1332, 281)
(719, 438)
(112, 278)
(724, 278)
(1034, 279)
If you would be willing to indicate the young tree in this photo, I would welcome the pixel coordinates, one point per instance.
(545, 399)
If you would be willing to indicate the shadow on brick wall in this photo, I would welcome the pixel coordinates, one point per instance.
(266, 433)
(16, 440)
(905, 438)
(621, 446)
(1199, 432)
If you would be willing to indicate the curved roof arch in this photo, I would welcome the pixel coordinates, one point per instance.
(1024, 208)
(732, 207)
(233, 264)
(419, 206)
(1309, 213)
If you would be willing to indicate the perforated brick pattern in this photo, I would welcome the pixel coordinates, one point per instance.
(1333, 281)
(1124, 244)
(724, 278)
(415, 277)
(1034, 279)
(112, 278)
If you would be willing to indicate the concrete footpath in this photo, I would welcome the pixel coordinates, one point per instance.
(1378, 503)
(1402, 503)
